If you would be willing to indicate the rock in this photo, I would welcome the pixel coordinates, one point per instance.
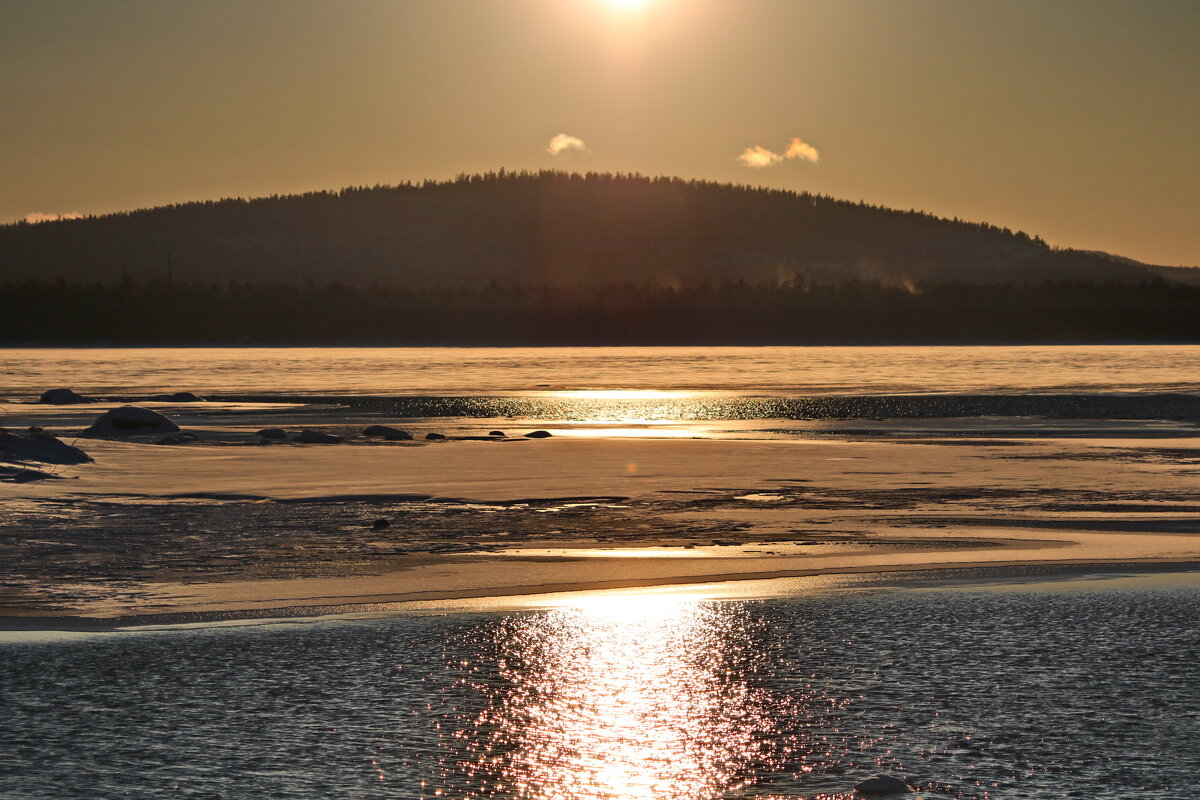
(44, 447)
(387, 432)
(187, 436)
(380, 524)
(882, 784)
(495, 433)
(172, 440)
(273, 433)
(36, 429)
(12, 475)
(62, 397)
(538, 435)
(307, 436)
(178, 397)
(130, 421)
(377, 430)
(435, 436)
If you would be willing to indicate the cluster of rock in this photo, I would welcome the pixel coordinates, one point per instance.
(67, 397)
(132, 420)
(384, 432)
(129, 420)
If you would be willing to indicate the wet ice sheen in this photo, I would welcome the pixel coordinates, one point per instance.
(970, 693)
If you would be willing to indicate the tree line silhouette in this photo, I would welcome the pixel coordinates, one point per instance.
(733, 312)
(544, 228)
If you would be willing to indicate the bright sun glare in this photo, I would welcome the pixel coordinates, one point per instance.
(626, 3)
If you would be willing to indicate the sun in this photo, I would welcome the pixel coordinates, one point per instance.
(626, 4)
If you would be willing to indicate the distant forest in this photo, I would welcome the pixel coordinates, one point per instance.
(565, 258)
(160, 312)
(553, 229)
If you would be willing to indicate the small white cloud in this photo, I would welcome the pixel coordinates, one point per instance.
(801, 150)
(758, 157)
(38, 216)
(565, 143)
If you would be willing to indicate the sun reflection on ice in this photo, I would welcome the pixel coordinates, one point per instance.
(624, 413)
(627, 697)
(622, 394)
(644, 430)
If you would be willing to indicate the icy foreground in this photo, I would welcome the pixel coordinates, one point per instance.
(218, 517)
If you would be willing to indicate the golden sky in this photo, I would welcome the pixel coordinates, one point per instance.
(1073, 119)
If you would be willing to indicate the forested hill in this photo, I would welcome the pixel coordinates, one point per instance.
(545, 229)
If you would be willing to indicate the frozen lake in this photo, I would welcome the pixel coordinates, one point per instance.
(505, 370)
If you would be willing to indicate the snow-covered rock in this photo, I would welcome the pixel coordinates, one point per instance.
(130, 421)
(307, 436)
(44, 447)
(62, 397)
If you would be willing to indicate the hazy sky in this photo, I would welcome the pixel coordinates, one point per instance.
(1074, 119)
